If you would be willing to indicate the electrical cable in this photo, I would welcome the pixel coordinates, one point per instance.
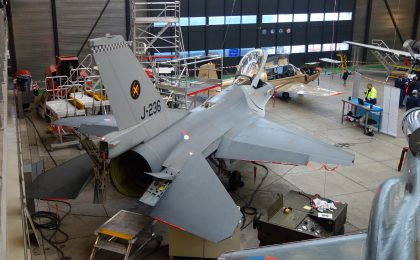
(227, 28)
(93, 27)
(43, 144)
(247, 209)
(51, 221)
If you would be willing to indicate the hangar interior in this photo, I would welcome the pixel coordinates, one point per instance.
(223, 129)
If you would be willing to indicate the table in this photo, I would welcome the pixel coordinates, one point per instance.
(366, 110)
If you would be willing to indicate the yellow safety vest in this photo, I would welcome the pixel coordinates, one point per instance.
(371, 94)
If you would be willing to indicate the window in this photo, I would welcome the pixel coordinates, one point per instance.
(298, 49)
(314, 48)
(246, 50)
(233, 52)
(346, 16)
(331, 16)
(216, 20)
(342, 47)
(194, 21)
(183, 21)
(216, 52)
(328, 47)
(270, 50)
(197, 53)
(249, 19)
(283, 49)
(269, 18)
(300, 17)
(183, 54)
(317, 17)
(163, 54)
(285, 18)
(159, 24)
(233, 19)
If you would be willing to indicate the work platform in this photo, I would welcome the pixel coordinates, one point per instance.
(193, 88)
(121, 232)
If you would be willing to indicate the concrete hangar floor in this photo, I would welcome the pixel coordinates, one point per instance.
(377, 158)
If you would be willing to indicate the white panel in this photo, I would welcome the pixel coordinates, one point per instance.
(356, 84)
(389, 124)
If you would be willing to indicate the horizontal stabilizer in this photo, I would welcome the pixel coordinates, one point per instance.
(95, 125)
(197, 202)
(263, 140)
(96, 130)
(64, 181)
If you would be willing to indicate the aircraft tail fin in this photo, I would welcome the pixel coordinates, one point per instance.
(132, 94)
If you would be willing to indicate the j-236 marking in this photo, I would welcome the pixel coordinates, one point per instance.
(152, 109)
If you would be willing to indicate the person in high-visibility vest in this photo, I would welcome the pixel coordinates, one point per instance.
(370, 94)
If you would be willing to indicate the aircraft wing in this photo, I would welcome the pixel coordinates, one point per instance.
(306, 89)
(263, 140)
(197, 202)
(64, 181)
(330, 60)
(377, 48)
(99, 125)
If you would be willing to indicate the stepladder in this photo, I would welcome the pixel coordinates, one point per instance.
(124, 232)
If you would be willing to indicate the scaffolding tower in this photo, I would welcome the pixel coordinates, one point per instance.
(156, 30)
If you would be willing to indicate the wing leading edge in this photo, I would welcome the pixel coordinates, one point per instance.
(255, 142)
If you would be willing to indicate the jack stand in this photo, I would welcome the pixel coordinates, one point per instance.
(101, 174)
(100, 187)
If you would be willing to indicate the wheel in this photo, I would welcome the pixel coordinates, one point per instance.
(285, 95)
(235, 181)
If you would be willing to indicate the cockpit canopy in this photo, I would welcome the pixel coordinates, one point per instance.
(249, 67)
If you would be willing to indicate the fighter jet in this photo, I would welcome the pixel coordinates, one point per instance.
(159, 154)
(288, 80)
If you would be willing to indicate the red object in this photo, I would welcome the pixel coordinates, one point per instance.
(150, 58)
(407, 61)
(149, 73)
(202, 90)
(23, 73)
(63, 67)
(170, 224)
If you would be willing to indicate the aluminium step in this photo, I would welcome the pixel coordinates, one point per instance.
(112, 246)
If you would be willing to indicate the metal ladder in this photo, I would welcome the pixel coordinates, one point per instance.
(386, 59)
(122, 231)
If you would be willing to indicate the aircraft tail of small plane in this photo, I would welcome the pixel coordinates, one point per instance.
(133, 96)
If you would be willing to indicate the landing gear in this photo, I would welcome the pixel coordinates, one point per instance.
(285, 95)
(235, 181)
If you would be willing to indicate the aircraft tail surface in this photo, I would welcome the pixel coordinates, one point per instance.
(132, 94)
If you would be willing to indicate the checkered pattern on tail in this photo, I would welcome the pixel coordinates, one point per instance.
(112, 46)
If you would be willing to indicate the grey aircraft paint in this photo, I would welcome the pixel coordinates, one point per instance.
(394, 229)
(175, 143)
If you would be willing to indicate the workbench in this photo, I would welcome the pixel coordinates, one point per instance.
(364, 112)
